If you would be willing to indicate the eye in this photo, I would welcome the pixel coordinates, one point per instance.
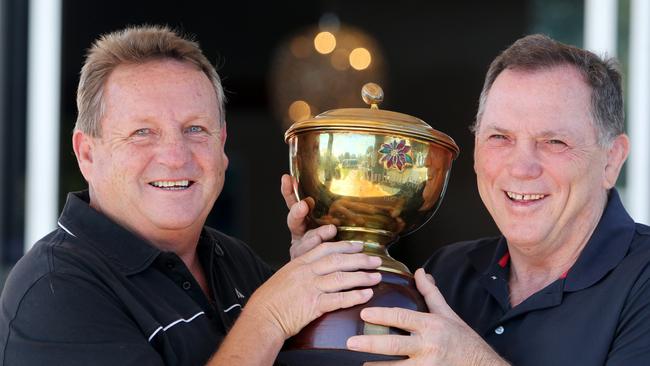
(195, 129)
(498, 140)
(142, 132)
(498, 137)
(556, 145)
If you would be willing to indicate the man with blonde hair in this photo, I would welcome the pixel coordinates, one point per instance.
(131, 276)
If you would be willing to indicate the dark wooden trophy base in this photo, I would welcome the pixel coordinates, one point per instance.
(323, 341)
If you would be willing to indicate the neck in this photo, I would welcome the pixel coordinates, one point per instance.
(183, 242)
(180, 240)
(528, 278)
(533, 270)
(526, 268)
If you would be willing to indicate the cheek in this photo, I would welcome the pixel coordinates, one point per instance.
(211, 159)
(591, 180)
(102, 167)
(580, 172)
(486, 166)
(125, 165)
(483, 169)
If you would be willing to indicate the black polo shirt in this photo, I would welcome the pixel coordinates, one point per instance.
(598, 313)
(93, 293)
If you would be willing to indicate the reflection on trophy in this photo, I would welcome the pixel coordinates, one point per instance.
(377, 175)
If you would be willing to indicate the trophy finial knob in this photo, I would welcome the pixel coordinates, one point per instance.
(372, 94)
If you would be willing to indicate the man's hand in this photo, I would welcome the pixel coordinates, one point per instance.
(302, 240)
(304, 289)
(437, 338)
(315, 283)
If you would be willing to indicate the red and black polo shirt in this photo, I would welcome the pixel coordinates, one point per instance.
(598, 314)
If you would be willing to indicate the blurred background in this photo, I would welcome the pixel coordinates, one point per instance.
(284, 61)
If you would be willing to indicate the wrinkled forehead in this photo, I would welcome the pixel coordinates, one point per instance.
(543, 100)
(152, 74)
(159, 87)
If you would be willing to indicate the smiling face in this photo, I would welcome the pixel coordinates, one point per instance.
(159, 164)
(541, 173)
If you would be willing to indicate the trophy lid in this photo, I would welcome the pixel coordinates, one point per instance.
(373, 120)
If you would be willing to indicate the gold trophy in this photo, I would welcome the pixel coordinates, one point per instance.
(377, 175)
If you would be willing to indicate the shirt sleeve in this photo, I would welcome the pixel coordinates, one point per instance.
(67, 320)
(631, 345)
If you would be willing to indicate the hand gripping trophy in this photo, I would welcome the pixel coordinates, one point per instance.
(377, 175)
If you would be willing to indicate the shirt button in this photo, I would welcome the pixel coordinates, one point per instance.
(499, 330)
(494, 277)
(217, 250)
(186, 285)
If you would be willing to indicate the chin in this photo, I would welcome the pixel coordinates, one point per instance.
(521, 234)
(176, 222)
(524, 240)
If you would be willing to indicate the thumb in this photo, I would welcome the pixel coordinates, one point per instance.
(432, 296)
(297, 219)
(286, 187)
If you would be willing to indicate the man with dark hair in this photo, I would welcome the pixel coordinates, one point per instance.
(132, 276)
(568, 282)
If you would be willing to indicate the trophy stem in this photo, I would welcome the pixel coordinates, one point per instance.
(323, 341)
(388, 263)
(375, 242)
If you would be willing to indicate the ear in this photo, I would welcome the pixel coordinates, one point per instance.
(83, 145)
(475, 148)
(616, 155)
(223, 134)
(222, 137)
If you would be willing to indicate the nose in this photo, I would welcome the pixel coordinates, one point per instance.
(524, 161)
(173, 151)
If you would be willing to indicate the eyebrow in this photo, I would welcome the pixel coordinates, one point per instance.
(561, 132)
(498, 129)
(199, 117)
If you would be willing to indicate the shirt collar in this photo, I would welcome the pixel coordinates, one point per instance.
(129, 252)
(605, 249)
(488, 258)
(607, 246)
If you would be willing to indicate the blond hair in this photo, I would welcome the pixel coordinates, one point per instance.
(134, 45)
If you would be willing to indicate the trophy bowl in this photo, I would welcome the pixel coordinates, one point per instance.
(376, 175)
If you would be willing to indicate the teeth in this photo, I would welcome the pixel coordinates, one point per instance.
(524, 197)
(169, 184)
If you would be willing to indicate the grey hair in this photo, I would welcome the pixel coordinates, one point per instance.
(538, 52)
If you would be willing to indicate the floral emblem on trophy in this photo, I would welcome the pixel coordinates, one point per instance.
(396, 154)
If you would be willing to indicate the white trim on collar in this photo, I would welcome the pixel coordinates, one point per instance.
(65, 228)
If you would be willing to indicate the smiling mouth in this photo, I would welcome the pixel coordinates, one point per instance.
(172, 185)
(524, 197)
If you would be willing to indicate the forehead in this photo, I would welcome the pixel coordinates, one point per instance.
(159, 85)
(167, 69)
(157, 91)
(550, 99)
